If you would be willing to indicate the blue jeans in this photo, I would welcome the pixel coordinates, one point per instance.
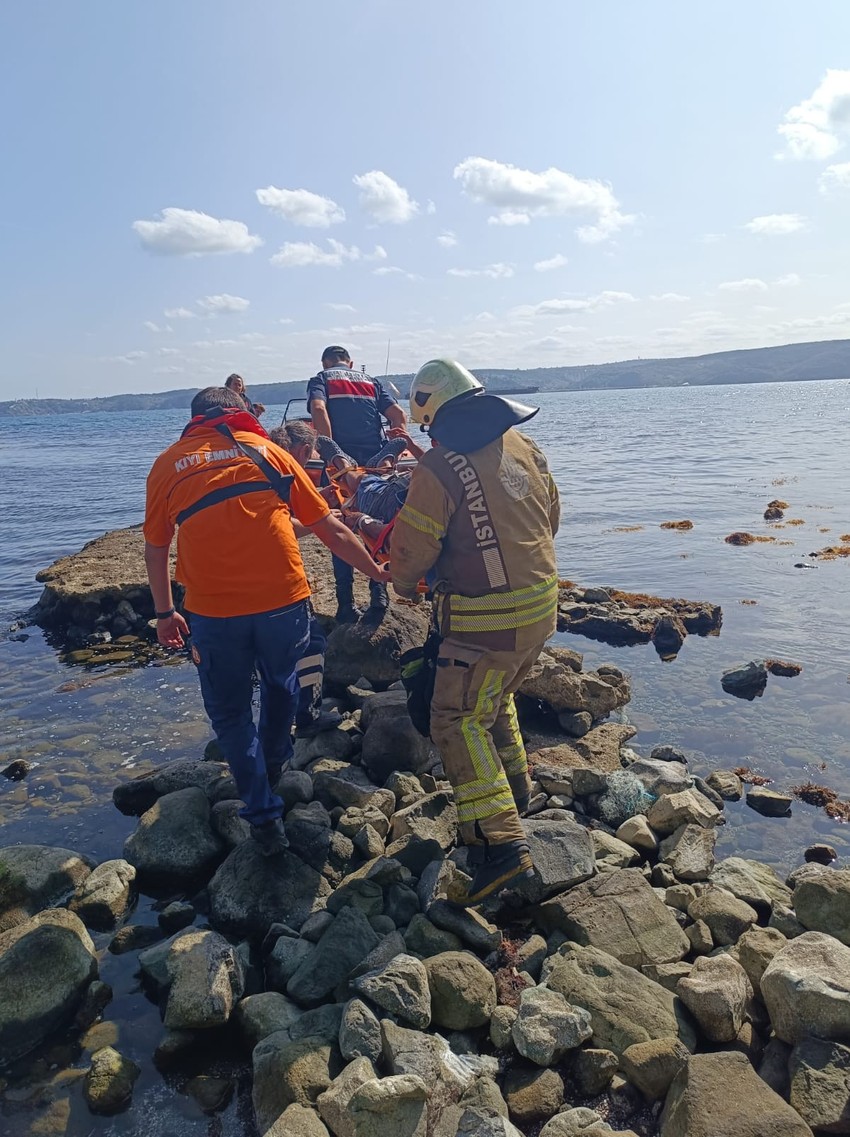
(226, 650)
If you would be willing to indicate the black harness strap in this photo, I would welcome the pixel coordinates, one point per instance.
(280, 483)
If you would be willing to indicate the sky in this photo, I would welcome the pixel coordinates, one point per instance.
(196, 187)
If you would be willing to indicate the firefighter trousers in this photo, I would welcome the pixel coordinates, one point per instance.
(474, 725)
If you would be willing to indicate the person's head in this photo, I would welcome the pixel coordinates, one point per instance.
(334, 357)
(235, 383)
(437, 383)
(212, 398)
(296, 438)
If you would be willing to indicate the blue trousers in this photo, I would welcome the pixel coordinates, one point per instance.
(226, 650)
(310, 672)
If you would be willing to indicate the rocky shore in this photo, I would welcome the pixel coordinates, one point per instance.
(636, 985)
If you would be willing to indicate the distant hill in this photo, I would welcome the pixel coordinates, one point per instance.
(795, 362)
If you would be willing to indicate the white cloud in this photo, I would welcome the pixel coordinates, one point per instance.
(224, 304)
(558, 261)
(286, 320)
(519, 195)
(384, 199)
(789, 280)
(817, 126)
(558, 306)
(151, 326)
(178, 314)
(168, 351)
(188, 233)
(378, 254)
(748, 284)
(835, 178)
(430, 208)
(776, 224)
(671, 298)
(302, 207)
(301, 254)
(341, 307)
(495, 272)
(394, 270)
(447, 239)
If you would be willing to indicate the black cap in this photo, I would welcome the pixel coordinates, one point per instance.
(335, 352)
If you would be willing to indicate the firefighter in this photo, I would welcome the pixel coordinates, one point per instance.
(480, 517)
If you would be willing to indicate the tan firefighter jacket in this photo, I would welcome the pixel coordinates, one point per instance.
(483, 525)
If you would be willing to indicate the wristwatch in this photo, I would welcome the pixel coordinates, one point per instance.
(165, 615)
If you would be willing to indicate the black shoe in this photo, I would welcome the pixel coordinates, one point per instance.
(348, 614)
(325, 720)
(503, 865)
(270, 837)
(379, 598)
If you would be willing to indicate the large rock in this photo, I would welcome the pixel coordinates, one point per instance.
(250, 892)
(806, 989)
(207, 981)
(755, 949)
(428, 1055)
(820, 1084)
(347, 942)
(108, 1085)
(298, 1121)
(104, 897)
(258, 1016)
(652, 1066)
(371, 648)
(563, 855)
(726, 916)
(552, 682)
(625, 1006)
(533, 1094)
(288, 1072)
(463, 991)
(313, 840)
(391, 1107)
(619, 913)
(359, 1032)
(721, 1095)
(400, 988)
(391, 741)
(334, 1104)
(174, 840)
(688, 807)
(689, 851)
(137, 796)
(430, 818)
(547, 1026)
(659, 777)
(34, 877)
(46, 964)
(822, 903)
(753, 882)
(717, 993)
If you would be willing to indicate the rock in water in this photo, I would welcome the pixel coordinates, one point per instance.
(806, 989)
(722, 1094)
(46, 965)
(746, 682)
(769, 803)
(103, 898)
(668, 635)
(391, 742)
(33, 877)
(138, 795)
(206, 981)
(174, 841)
(371, 648)
(250, 892)
(108, 1086)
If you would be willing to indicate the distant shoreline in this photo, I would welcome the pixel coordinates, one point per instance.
(800, 363)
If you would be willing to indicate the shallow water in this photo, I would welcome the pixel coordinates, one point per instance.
(622, 459)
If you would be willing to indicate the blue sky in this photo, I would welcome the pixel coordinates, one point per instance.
(196, 187)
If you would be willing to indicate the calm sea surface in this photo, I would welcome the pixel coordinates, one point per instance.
(623, 460)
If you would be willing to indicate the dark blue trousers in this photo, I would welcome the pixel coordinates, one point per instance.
(226, 650)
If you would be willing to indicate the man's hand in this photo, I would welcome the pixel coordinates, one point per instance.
(171, 632)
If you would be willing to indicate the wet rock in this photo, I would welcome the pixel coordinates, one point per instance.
(688, 807)
(769, 803)
(668, 635)
(371, 648)
(206, 981)
(754, 883)
(359, 1032)
(334, 1104)
(287, 1073)
(391, 1107)
(104, 896)
(153, 962)
(746, 682)
(174, 1050)
(728, 785)
(174, 840)
(258, 1016)
(625, 1006)
(134, 937)
(547, 1026)
(722, 1094)
(228, 825)
(212, 1094)
(638, 833)
(822, 903)
(651, 1066)
(806, 989)
(175, 916)
(533, 1094)
(346, 943)
(137, 796)
(16, 771)
(689, 852)
(401, 988)
(108, 1085)
(249, 891)
(34, 877)
(97, 997)
(820, 854)
(463, 991)
(820, 1084)
(755, 949)
(727, 917)
(716, 993)
(619, 914)
(46, 965)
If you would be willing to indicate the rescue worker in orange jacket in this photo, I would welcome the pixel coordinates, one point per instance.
(481, 515)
